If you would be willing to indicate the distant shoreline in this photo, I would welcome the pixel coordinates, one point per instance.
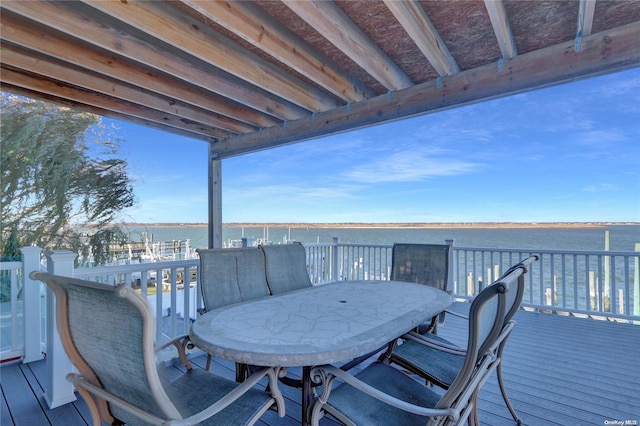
(396, 225)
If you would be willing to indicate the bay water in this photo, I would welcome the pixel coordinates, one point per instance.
(622, 237)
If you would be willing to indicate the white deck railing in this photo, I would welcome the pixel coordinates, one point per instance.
(601, 284)
(594, 283)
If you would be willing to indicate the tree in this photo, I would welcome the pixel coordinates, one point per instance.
(60, 176)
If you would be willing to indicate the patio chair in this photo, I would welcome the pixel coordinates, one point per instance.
(424, 264)
(286, 266)
(108, 333)
(231, 275)
(382, 394)
(438, 361)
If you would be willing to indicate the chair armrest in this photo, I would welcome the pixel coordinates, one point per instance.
(236, 393)
(456, 314)
(440, 346)
(81, 383)
(181, 343)
(327, 373)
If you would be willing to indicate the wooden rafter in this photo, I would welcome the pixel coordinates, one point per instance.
(501, 28)
(261, 30)
(35, 94)
(524, 72)
(160, 20)
(32, 63)
(254, 74)
(330, 21)
(30, 35)
(417, 24)
(85, 97)
(585, 17)
(98, 33)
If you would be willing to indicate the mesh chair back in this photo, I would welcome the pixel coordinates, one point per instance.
(485, 324)
(286, 267)
(516, 293)
(421, 263)
(107, 332)
(231, 275)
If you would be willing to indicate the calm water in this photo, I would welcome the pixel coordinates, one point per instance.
(622, 237)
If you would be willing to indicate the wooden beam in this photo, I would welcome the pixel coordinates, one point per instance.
(35, 37)
(330, 21)
(215, 202)
(162, 21)
(501, 28)
(83, 96)
(38, 64)
(67, 18)
(417, 24)
(33, 94)
(604, 52)
(257, 27)
(586, 12)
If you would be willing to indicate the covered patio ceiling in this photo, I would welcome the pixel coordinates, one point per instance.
(251, 75)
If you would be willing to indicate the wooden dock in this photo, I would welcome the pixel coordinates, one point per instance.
(558, 370)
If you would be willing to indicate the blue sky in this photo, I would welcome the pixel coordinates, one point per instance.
(568, 153)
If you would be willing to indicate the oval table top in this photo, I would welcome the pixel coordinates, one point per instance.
(318, 325)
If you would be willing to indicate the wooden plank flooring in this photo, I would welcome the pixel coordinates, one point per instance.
(558, 371)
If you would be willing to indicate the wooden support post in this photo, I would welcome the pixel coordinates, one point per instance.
(215, 200)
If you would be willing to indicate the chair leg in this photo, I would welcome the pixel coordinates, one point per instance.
(505, 397)
(242, 372)
(208, 364)
(473, 419)
(385, 358)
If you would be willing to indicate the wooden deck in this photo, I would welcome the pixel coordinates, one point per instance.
(558, 370)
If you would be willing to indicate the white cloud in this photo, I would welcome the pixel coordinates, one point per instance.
(601, 187)
(409, 166)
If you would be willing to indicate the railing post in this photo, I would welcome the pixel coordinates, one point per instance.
(58, 391)
(636, 286)
(334, 259)
(32, 311)
(450, 282)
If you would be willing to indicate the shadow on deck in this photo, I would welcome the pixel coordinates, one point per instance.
(558, 370)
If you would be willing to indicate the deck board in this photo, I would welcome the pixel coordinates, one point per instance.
(558, 370)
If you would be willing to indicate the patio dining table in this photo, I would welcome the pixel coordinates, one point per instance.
(324, 324)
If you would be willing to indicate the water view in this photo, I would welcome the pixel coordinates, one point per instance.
(622, 237)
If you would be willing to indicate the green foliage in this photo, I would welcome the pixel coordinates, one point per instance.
(60, 171)
(106, 243)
